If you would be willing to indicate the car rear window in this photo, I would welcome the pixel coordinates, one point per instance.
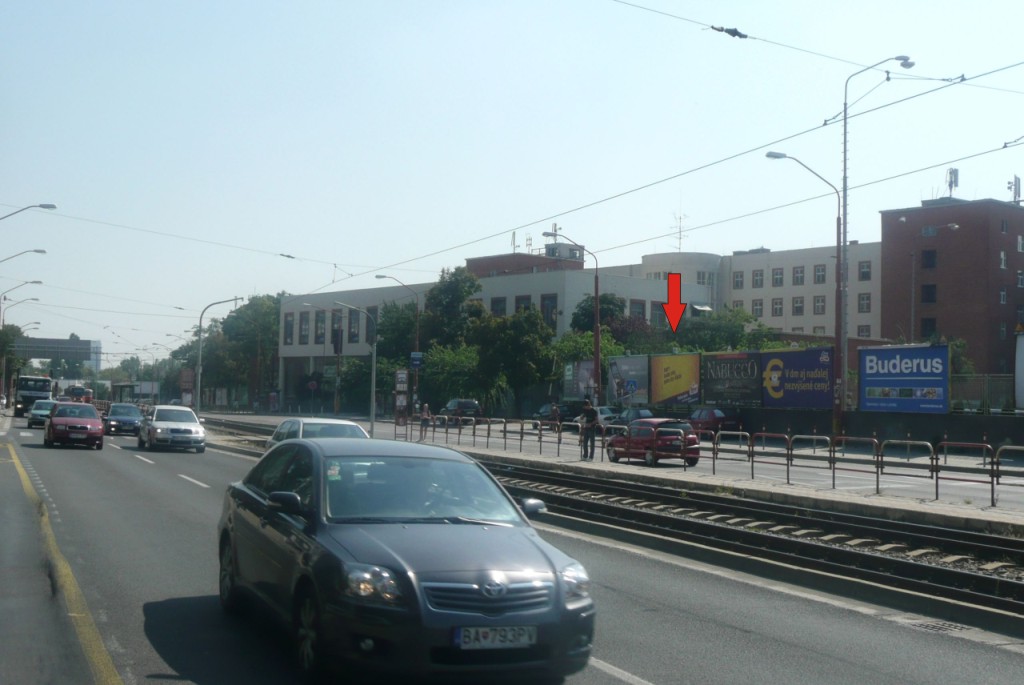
(676, 425)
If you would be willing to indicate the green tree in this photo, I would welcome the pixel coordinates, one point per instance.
(612, 308)
(450, 372)
(396, 331)
(727, 329)
(250, 335)
(515, 349)
(448, 312)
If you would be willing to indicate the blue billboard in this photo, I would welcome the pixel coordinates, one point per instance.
(905, 378)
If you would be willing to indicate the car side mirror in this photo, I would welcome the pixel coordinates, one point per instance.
(286, 503)
(532, 507)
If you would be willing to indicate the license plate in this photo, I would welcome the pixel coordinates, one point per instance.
(495, 637)
(181, 439)
(76, 436)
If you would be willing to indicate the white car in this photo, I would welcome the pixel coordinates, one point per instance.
(605, 416)
(172, 427)
(315, 428)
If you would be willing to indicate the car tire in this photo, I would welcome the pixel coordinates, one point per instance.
(141, 443)
(47, 442)
(613, 454)
(692, 461)
(230, 601)
(99, 445)
(308, 636)
(200, 449)
(649, 458)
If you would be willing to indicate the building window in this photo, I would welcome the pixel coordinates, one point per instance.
(778, 276)
(798, 306)
(928, 294)
(711, 279)
(1004, 226)
(498, 305)
(819, 304)
(757, 308)
(1002, 259)
(776, 306)
(320, 327)
(303, 328)
(1002, 295)
(864, 271)
(819, 330)
(371, 324)
(819, 274)
(864, 303)
(1020, 243)
(525, 302)
(928, 327)
(863, 331)
(929, 231)
(757, 278)
(1020, 313)
(638, 309)
(702, 278)
(549, 310)
(737, 304)
(1020, 279)
(1002, 330)
(737, 280)
(798, 275)
(353, 325)
(929, 258)
(289, 329)
(658, 322)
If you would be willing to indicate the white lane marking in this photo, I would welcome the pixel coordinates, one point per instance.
(141, 458)
(193, 480)
(624, 676)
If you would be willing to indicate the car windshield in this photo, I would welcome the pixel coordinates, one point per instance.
(390, 489)
(124, 410)
(332, 430)
(675, 426)
(175, 416)
(42, 405)
(83, 411)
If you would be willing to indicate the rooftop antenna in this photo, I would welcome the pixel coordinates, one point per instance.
(555, 229)
(1014, 186)
(514, 245)
(952, 179)
(679, 231)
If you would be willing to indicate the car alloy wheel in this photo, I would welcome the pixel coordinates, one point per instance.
(692, 461)
(613, 455)
(307, 636)
(229, 599)
(649, 458)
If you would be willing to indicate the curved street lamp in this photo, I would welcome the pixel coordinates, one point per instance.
(199, 363)
(416, 340)
(597, 315)
(21, 253)
(42, 206)
(839, 358)
(373, 363)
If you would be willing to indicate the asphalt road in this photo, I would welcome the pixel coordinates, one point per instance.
(138, 533)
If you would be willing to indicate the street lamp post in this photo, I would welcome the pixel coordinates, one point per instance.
(42, 206)
(844, 332)
(3, 362)
(373, 363)
(21, 253)
(839, 358)
(416, 340)
(199, 362)
(597, 315)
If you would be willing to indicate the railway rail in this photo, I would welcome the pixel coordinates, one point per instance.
(974, 568)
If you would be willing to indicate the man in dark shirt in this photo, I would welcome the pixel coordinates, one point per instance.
(589, 430)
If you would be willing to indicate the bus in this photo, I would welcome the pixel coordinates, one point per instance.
(28, 389)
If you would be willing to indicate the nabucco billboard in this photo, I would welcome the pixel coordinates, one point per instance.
(905, 378)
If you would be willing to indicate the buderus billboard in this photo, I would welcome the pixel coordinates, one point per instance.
(905, 378)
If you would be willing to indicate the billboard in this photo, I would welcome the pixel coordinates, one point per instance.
(675, 379)
(578, 380)
(628, 381)
(731, 379)
(905, 378)
(797, 379)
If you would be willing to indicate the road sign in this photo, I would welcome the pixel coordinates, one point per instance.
(416, 360)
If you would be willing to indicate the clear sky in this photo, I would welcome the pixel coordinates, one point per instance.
(188, 145)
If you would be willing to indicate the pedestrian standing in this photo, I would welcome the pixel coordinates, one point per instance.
(589, 430)
(424, 421)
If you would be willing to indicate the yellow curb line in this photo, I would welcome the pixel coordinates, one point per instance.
(100, 663)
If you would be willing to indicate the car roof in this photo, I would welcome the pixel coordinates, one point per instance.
(652, 421)
(370, 447)
(313, 419)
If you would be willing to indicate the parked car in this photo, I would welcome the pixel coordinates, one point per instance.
(173, 427)
(315, 428)
(459, 409)
(546, 413)
(605, 417)
(655, 439)
(404, 559)
(715, 419)
(122, 418)
(628, 415)
(37, 413)
(73, 423)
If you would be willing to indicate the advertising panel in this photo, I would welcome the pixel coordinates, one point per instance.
(905, 378)
(675, 379)
(731, 379)
(578, 380)
(797, 379)
(628, 380)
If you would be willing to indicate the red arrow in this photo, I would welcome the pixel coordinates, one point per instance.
(675, 306)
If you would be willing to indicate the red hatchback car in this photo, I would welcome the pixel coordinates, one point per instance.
(654, 440)
(715, 419)
(73, 423)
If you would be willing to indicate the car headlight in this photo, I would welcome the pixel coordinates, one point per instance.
(372, 582)
(576, 581)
